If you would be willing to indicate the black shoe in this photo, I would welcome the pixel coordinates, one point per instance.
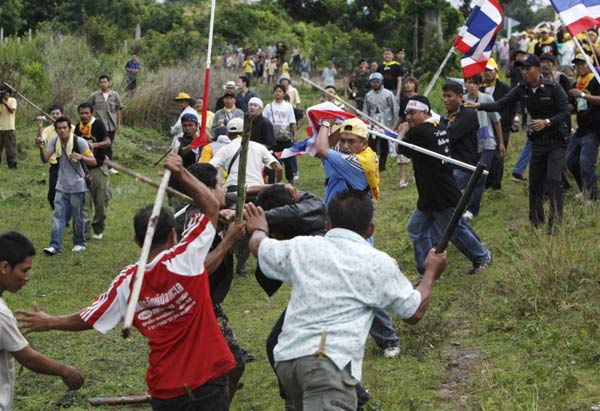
(518, 178)
(482, 266)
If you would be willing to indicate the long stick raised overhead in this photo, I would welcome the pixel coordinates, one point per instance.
(27, 100)
(141, 269)
(387, 137)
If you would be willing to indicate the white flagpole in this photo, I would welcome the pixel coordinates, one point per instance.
(439, 156)
(439, 71)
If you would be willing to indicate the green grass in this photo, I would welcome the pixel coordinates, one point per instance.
(524, 335)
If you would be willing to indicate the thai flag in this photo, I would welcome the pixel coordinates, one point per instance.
(578, 15)
(476, 39)
(316, 114)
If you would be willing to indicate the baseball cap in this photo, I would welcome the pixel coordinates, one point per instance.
(491, 64)
(376, 77)
(354, 126)
(235, 125)
(189, 117)
(230, 83)
(548, 57)
(578, 57)
(531, 61)
(229, 94)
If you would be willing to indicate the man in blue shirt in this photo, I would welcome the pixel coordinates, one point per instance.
(132, 67)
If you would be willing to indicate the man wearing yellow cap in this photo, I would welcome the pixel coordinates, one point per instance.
(582, 152)
(186, 105)
(350, 164)
(497, 89)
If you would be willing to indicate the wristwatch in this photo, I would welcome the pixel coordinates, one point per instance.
(547, 122)
(326, 124)
(582, 95)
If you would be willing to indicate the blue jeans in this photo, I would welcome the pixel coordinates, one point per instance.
(423, 224)
(524, 157)
(581, 156)
(65, 204)
(382, 330)
(486, 157)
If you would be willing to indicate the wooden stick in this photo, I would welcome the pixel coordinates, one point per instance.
(241, 182)
(321, 351)
(157, 162)
(140, 177)
(122, 400)
(141, 269)
(27, 100)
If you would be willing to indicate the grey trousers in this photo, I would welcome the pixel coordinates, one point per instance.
(316, 384)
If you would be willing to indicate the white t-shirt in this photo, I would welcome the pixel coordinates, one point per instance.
(280, 114)
(258, 156)
(11, 340)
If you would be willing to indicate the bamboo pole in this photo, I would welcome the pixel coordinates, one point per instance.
(27, 100)
(140, 177)
(141, 269)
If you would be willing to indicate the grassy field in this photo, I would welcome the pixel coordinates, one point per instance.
(524, 335)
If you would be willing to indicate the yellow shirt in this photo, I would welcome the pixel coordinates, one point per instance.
(248, 66)
(7, 119)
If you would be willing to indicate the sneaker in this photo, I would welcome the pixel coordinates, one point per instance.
(482, 266)
(468, 215)
(296, 176)
(78, 248)
(391, 352)
(113, 171)
(518, 178)
(403, 183)
(98, 236)
(50, 251)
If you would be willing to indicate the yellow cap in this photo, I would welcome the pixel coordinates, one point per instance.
(355, 126)
(491, 64)
(183, 96)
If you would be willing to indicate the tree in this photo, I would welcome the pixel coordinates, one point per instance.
(11, 16)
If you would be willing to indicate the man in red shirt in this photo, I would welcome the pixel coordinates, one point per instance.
(189, 357)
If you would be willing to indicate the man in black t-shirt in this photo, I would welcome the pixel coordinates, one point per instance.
(391, 71)
(92, 129)
(438, 193)
(582, 152)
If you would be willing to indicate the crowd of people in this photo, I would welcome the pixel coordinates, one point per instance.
(341, 284)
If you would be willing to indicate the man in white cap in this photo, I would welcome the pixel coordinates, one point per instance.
(229, 87)
(228, 158)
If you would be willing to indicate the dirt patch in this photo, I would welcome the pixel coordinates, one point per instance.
(460, 367)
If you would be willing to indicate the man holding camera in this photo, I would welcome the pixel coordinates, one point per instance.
(8, 133)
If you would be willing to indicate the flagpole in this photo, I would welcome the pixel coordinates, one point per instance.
(207, 75)
(587, 58)
(383, 126)
(439, 71)
(439, 156)
(587, 36)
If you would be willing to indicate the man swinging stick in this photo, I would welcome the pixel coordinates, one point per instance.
(188, 355)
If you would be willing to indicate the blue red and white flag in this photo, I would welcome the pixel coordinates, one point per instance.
(578, 15)
(476, 38)
(316, 114)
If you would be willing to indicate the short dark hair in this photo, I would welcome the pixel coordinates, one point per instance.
(273, 196)
(246, 80)
(85, 105)
(453, 86)
(352, 210)
(279, 86)
(62, 119)
(204, 172)
(56, 107)
(164, 225)
(15, 248)
(104, 76)
(475, 79)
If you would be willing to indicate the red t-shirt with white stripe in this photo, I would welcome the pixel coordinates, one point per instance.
(174, 312)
